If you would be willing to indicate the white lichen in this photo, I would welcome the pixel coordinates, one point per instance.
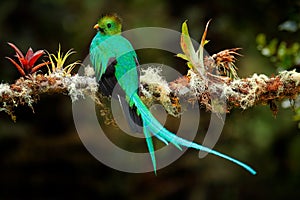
(253, 87)
(155, 88)
(5, 89)
(79, 86)
(152, 76)
(89, 71)
(197, 84)
(290, 75)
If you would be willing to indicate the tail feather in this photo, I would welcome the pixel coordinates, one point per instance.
(150, 147)
(151, 125)
(133, 119)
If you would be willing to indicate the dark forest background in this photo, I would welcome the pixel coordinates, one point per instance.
(42, 157)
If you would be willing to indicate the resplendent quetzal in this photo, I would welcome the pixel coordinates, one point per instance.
(115, 63)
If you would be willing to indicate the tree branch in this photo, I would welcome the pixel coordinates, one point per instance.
(216, 93)
(27, 90)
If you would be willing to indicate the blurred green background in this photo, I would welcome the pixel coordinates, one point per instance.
(42, 157)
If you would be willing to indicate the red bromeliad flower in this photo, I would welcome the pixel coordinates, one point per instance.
(28, 61)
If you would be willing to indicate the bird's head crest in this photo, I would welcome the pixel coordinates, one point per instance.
(110, 24)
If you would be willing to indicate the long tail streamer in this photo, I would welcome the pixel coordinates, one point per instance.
(153, 126)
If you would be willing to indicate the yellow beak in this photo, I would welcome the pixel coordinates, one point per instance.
(96, 26)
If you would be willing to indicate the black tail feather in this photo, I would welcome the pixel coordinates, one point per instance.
(133, 119)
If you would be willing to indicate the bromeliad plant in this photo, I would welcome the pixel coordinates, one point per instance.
(196, 61)
(26, 90)
(28, 62)
(58, 62)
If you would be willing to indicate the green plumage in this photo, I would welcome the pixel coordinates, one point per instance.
(115, 60)
(103, 48)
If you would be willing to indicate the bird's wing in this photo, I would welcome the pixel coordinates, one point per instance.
(100, 56)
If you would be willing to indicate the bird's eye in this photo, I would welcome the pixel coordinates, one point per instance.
(108, 25)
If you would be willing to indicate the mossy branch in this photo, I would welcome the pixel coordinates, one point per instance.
(220, 94)
(27, 90)
(240, 93)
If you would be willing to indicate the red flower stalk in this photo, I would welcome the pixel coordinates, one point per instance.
(28, 61)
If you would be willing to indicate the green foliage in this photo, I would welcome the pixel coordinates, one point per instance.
(282, 54)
